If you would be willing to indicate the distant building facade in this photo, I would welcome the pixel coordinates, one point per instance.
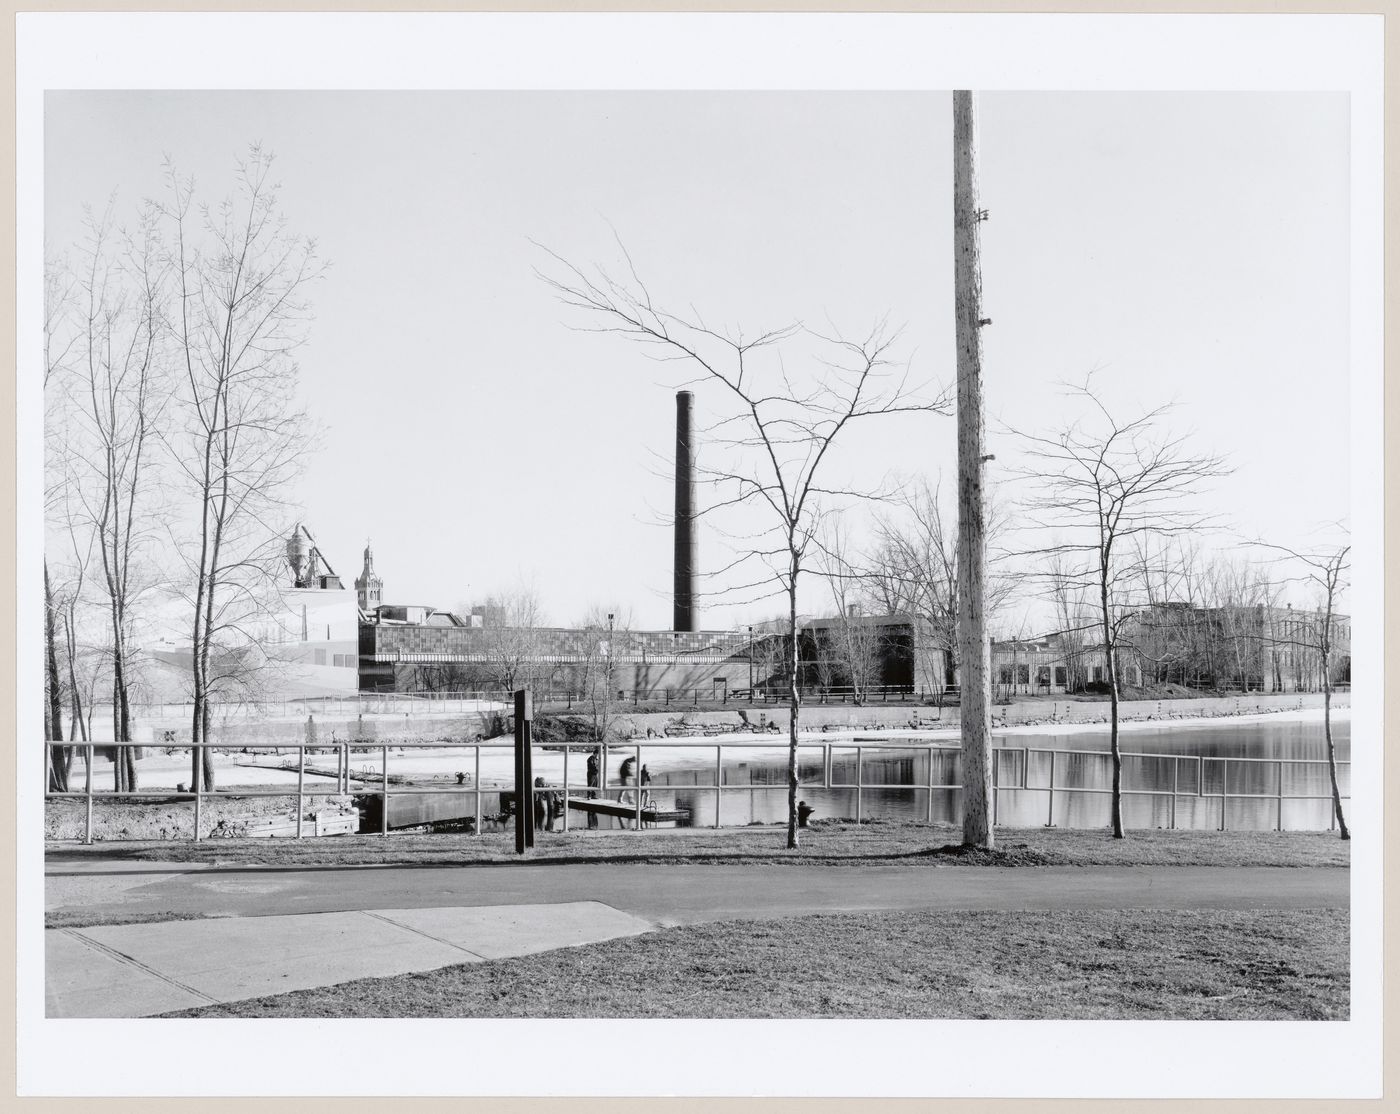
(402, 647)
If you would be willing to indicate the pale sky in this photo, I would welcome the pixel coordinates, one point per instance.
(1190, 246)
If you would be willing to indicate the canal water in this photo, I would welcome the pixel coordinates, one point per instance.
(1255, 775)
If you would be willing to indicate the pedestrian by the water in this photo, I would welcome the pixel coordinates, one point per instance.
(593, 782)
(628, 774)
(541, 803)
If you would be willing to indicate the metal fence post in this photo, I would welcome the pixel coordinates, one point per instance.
(637, 786)
(476, 780)
(384, 793)
(1280, 796)
(1224, 791)
(928, 817)
(301, 786)
(859, 779)
(719, 779)
(567, 748)
(1176, 783)
(996, 785)
(91, 751)
(198, 780)
(1050, 813)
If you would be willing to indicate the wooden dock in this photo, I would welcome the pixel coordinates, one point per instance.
(650, 814)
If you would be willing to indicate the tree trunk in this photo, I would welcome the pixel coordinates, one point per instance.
(206, 753)
(794, 703)
(1111, 663)
(974, 652)
(78, 724)
(1326, 646)
(1332, 758)
(59, 757)
(1114, 748)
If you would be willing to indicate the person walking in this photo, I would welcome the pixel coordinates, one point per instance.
(593, 787)
(628, 774)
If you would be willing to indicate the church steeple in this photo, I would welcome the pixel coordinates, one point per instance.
(368, 587)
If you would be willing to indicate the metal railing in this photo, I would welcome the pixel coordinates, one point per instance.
(828, 751)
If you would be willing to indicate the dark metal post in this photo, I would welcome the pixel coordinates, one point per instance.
(683, 617)
(524, 779)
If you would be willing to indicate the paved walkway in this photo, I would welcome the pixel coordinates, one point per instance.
(278, 929)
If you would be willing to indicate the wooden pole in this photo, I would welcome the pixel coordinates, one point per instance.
(974, 652)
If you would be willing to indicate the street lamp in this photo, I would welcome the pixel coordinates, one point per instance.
(610, 654)
(750, 664)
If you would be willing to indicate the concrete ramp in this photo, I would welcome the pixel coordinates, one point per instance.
(143, 969)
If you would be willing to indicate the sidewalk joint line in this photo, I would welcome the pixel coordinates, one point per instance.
(420, 932)
(122, 957)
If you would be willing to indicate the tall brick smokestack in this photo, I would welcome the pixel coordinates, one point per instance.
(684, 613)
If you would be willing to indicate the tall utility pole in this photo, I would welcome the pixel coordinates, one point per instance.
(687, 565)
(974, 651)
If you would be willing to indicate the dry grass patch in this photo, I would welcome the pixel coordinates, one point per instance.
(83, 918)
(1098, 964)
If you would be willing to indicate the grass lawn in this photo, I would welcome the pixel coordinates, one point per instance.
(1114, 964)
(914, 844)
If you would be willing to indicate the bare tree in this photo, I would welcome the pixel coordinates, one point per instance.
(242, 279)
(606, 631)
(1327, 570)
(1074, 617)
(104, 394)
(58, 292)
(776, 437)
(122, 397)
(1101, 487)
(850, 642)
(511, 640)
(914, 567)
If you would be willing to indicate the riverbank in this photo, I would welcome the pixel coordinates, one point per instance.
(894, 843)
(1051, 715)
(1129, 726)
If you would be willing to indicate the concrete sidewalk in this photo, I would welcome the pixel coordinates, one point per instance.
(138, 970)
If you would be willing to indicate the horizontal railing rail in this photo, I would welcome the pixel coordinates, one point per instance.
(381, 783)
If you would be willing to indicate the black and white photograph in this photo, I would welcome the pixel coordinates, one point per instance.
(637, 539)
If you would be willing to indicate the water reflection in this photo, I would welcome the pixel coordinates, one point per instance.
(1242, 776)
